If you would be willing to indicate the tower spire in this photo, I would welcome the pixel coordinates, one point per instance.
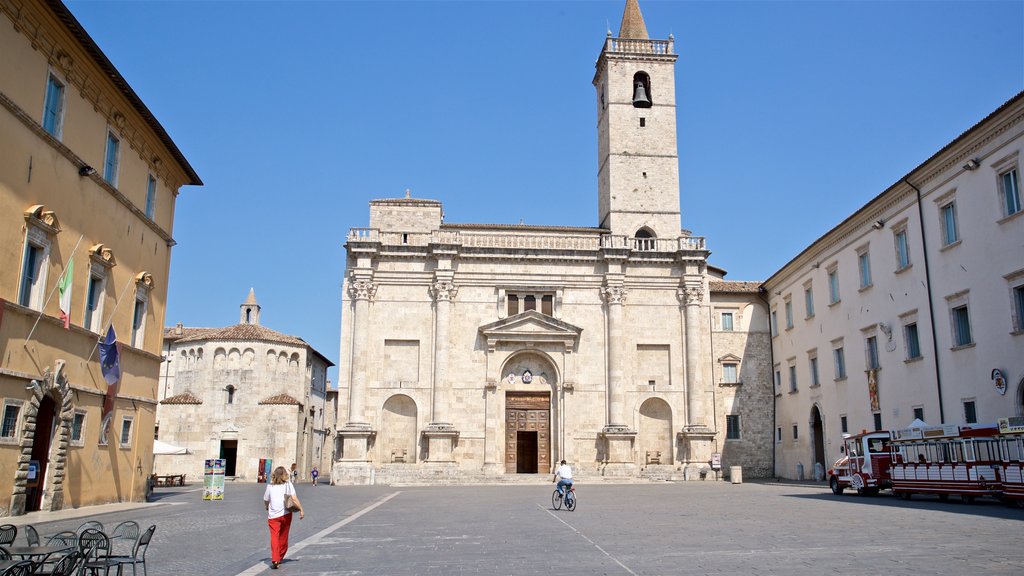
(250, 309)
(633, 22)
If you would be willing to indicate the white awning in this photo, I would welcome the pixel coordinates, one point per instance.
(165, 448)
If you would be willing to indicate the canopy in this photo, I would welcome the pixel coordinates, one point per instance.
(165, 448)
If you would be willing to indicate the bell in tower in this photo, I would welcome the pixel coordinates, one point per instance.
(640, 99)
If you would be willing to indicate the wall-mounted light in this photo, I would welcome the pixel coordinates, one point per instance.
(86, 170)
(878, 224)
(972, 164)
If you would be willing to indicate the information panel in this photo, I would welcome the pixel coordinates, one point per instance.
(213, 479)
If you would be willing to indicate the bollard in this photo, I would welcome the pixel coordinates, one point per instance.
(736, 474)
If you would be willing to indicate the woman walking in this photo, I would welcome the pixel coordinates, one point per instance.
(279, 517)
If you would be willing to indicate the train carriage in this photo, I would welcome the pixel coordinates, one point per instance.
(944, 460)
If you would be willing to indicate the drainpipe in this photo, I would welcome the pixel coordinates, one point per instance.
(931, 307)
(763, 295)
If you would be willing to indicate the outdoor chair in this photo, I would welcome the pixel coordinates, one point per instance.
(3, 554)
(127, 532)
(95, 547)
(138, 555)
(65, 538)
(31, 536)
(22, 568)
(93, 524)
(7, 534)
(68, 565)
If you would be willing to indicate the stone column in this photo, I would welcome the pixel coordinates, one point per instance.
(441, 434)
(354, 466)
(614, 296)
(697, 436)
(617, 434)
(693, 297)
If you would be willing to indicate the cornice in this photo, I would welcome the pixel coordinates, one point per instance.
(75, 160)
(59, 37)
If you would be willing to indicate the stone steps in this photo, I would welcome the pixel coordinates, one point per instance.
(419, 475)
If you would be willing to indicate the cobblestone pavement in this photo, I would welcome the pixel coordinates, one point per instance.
(694, 528)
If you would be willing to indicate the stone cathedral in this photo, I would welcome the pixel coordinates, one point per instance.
(475, 351)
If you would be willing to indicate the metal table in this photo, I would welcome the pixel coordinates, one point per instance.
(33, 552)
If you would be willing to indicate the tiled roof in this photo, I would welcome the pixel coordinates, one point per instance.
(735, 287)
(280, 399)
(252, 332)
(183, 398)
(633, 22)
(171, 334)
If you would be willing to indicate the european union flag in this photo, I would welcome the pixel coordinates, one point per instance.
(110, 360)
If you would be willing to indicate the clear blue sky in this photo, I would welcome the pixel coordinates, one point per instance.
(791, 115)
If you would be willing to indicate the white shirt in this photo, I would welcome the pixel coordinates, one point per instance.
(564, 472)
(275, 494)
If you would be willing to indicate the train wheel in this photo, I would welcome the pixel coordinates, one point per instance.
(838, 490)
(857, 482)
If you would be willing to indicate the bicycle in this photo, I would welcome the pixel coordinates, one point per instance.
(569, 499)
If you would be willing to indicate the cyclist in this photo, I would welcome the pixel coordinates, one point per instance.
(563, 475)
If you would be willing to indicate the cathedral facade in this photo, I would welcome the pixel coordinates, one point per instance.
(487, 350)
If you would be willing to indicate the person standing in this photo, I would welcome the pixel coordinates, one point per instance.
(279, 517)
(295, 473)
(315, 474)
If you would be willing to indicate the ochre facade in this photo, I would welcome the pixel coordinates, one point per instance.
(88, 176)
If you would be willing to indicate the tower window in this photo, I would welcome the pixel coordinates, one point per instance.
(642, 90)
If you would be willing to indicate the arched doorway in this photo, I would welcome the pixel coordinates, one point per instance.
(654, 438)
(530, 425)
(39, 463)
(397, 432)
(39, 478)
(818, 441)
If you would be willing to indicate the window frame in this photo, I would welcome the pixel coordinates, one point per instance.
(80, 441)
(949, 222)
(872, 361)
(960, 338)
(834, 293)
(808, 301)
(151, 187)
(735, 366)
(732, 321)
(138, 331)
(970, 416)
(844, 424)
(912, 344)
(901, 246)
(1014, 194)
(793, 384)
(92, 315)
(732, 427)
(130, 421)
(111, 158)
(876, 421)
(864, 268)
(839, 361)
(15, 436)
(812, 368)
(31, 295)
(788, 307)
(57, 131)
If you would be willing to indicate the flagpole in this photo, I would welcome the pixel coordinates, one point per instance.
(110, 319)
(57, 285)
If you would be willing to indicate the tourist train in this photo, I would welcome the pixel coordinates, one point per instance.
(964, 460)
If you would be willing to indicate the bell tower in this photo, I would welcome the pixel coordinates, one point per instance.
(638, 159)
(250, 310)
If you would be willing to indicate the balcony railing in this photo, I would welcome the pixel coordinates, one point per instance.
(527, 241)
(638, 46)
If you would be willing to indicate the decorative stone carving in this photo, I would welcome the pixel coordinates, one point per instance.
(691, 295)
(443, 290)
(102, 255)
(55, 384)
(45, 219)
(144, 280)
(361, 289)
(614, 294)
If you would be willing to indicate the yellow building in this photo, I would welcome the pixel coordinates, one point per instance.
(88, 182)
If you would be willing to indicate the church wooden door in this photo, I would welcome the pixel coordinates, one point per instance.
(527, 433)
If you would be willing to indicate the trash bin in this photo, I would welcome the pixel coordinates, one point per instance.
(736, 474)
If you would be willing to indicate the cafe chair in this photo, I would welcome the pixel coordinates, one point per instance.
(127, 531)
(31, 536)
(138, 555)
(95, 546)
(65, 538)
(91, 524)
(68, 565)
(22, 568)
(7, 534)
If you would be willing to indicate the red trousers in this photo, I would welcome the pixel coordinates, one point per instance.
(279, 536)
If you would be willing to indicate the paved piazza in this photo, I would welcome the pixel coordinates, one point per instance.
(635, 529)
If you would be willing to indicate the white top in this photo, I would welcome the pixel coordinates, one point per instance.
(275, 496)
(564, 472)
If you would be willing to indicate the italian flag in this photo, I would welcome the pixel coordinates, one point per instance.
(65, 294)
